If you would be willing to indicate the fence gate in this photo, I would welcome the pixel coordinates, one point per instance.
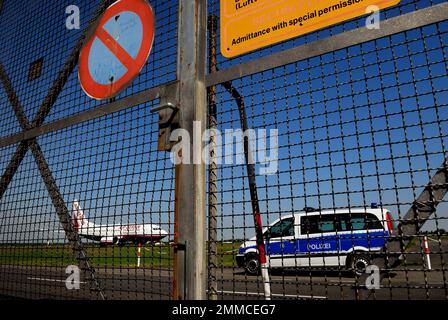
(360, 118)
(64, 154)
(336, 140)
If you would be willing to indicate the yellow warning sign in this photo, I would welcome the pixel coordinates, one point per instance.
(247, 25)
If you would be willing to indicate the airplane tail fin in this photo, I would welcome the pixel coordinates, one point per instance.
(79, 220)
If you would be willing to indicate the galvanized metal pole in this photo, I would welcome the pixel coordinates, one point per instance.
(212, 170)
(176, 232)
(64, 219)
(421, 210)
(47, 176)
(191, 264)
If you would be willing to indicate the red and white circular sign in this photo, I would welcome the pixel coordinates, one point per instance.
(117, 50)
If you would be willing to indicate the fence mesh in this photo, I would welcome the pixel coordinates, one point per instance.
(357, 181)
(44, 35)
(68, 194)
(359, 126)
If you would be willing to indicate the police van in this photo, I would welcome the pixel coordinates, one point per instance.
(327, 238)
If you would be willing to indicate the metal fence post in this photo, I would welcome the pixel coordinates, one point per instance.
(212, 171)
(191, 263)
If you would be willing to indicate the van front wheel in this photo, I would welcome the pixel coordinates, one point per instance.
(358, 263)
(252, 264)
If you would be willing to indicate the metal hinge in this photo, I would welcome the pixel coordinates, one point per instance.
(169, 110)
(179, 247)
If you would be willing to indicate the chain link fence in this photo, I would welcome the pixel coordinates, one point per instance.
(103, 165)
(347, 127)
(361, 171)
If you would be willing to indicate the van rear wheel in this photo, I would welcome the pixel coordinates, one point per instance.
(358, 263)
(252, 264)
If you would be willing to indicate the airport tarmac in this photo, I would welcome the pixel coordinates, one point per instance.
(152, 284)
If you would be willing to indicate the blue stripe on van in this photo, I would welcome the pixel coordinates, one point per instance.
(340, 243)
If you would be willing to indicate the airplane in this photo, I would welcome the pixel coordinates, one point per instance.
(115, 234)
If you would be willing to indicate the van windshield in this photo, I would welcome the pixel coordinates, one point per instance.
(283, 228)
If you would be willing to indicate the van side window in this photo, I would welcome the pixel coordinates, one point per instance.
(357, 222)
(308, 225)
(343, 222)
(361, 221)
(317, 224)
(372, 222)
(283, 228)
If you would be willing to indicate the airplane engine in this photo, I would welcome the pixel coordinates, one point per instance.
(106, 241)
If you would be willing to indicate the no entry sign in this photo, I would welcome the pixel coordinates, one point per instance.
(116, 51)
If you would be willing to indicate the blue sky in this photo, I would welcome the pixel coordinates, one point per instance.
(359, 125)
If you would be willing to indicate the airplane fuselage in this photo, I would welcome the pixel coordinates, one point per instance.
(120, 234)
(115, 234)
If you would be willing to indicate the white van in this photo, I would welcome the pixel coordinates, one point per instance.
(312, 238)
